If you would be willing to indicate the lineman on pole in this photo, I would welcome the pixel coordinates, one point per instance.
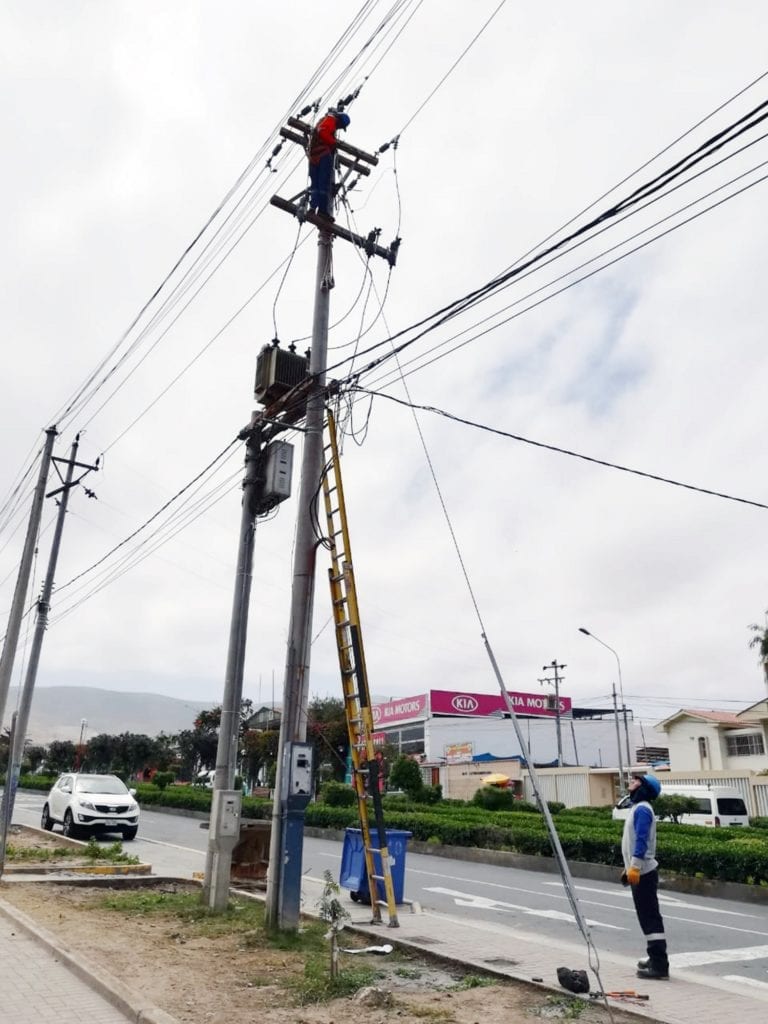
(321, 151)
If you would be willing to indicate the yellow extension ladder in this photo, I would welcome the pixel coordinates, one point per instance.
(354, 681)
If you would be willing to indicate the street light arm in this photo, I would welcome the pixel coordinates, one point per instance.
(608, 647)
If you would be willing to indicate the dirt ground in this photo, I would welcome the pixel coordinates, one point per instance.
(223, 979)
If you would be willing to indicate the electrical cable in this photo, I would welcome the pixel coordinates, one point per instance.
(480, 293)
(385, 358)
(455, 64)
(154, 516)
(346, 36)
(565, 451)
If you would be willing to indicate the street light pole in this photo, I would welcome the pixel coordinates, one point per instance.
(586, 632)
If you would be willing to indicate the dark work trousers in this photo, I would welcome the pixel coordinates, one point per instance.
(646, 900)
(321, 180)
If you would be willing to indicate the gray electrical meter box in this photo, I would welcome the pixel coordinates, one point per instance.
(297, 776)
(278, 471)
(225, 813)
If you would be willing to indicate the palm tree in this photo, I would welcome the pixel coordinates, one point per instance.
(760, 641)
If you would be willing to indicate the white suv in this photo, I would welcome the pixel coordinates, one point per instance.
(91, 803)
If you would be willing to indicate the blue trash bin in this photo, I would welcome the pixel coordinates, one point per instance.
(353, 875)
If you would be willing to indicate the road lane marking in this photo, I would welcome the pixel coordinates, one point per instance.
(173, 846)
(718, 956)
(465, 899)
(667, 900)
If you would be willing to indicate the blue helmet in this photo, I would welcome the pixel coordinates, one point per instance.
(652, 786)
(342, 120)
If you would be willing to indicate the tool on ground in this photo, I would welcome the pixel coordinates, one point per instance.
(624, 994)
(366, 777)
(386, 948)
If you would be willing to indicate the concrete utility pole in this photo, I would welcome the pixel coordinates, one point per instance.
(43, 607)
(22, 580)
(285, 857)
(557, 680)
(283, 908)
(224, 829)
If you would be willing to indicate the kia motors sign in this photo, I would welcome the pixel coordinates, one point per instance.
(481, 705)
(395, 711)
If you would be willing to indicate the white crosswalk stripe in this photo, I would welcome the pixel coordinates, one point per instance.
(719, 956)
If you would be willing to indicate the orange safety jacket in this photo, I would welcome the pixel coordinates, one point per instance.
(322, 141)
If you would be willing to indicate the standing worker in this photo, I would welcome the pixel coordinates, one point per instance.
(321, 152)
(641, 872)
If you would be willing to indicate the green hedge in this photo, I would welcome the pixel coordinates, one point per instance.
(586, 834)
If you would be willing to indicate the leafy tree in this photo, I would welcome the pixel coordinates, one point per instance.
(673, 806)
(406, 775)
(100, 752)
(34, 756)
(187, 755)
(61, 756)
(760, 641)
(259, 751)
(327, 732)
(5, 747)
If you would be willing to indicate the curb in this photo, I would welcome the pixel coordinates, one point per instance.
(78, 869)
(107, 985)
(61, 867)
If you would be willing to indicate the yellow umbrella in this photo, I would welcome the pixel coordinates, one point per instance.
(496, 779)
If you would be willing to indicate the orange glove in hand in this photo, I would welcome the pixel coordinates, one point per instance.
(633, 875)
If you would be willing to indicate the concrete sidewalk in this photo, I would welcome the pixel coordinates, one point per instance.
(37, 988)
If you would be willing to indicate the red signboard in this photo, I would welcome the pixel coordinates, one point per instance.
(458, 702)
(399, 710)
(480, 705)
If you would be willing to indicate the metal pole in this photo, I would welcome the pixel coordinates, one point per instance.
(5, 809)
(608, 647)
(22, 580)
(557, 718)
(43, 606)
(282, 904)
(573, 737)
(630, 759)
(618, 742)
(222, 835)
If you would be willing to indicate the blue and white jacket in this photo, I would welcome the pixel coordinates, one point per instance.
(638, 843)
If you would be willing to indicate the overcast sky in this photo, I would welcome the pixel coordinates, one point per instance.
(125, 127)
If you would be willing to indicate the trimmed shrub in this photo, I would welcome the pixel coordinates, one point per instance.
(338, 794)
(493, 798)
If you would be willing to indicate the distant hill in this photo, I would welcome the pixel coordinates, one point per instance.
(58, 710)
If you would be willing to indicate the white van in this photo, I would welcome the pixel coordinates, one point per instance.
(718, 805)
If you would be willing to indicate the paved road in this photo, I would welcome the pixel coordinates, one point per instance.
(712, 936)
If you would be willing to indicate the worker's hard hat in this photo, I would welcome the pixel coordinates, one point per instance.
(652, 786)
(342, 120)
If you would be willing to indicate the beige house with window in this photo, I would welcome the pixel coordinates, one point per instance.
(710, 741)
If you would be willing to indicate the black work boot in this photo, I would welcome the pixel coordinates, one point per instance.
(642, 964)
(657, 971)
